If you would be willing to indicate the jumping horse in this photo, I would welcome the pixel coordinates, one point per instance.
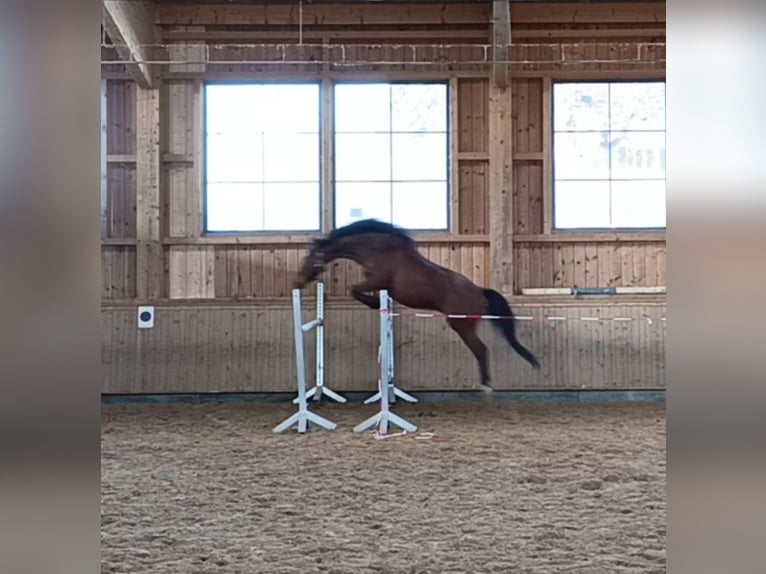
(390, 260)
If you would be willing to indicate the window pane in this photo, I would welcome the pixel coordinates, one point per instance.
(234, 158)
(354, 201)
(638, 155)
(362, 108)
(581, 156)
(419, 156)
(629, 151)
(291, 157)
(581, 204)
(234, 206)
(411, 147)
(581, 106)
(638, 203)
(291, 206)
(419, 107)
(290, 108)
(420, 205)
(256, 133)
(233, 109)
(362, 157)
(638, 106)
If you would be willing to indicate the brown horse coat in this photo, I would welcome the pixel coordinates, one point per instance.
(390, 260)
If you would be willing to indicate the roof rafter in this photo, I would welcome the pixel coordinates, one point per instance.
(130, 26)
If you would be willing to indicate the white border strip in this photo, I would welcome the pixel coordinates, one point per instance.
(612, 291)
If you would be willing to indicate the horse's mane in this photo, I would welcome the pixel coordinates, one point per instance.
(369, 226)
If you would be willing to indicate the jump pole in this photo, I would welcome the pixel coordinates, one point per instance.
(320, 389)
(388, 340)
(303, 417)
(385, 417)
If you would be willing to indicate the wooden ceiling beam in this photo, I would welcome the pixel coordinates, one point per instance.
(588, 13)
(130, 26)
(458, 13)
(449, 36)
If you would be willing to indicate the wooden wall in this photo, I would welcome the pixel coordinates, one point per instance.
(196, 279)
(248, 348)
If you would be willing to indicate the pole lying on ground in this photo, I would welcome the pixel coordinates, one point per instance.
(320, 389)
(385, 417)
(303, 417)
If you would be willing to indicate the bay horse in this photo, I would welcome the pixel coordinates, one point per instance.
(390, 260)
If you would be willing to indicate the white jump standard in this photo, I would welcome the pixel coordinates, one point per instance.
(385, 416)
(319, 389)
(303, 417)
(393, 391)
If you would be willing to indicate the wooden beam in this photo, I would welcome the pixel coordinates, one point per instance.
(547, 155)
(197, 208)
(149, 253)
(528, 155)
(104, 167)
(411, 14)
(166, 158)
(265, 240)
(454, 130)
(119, 242)
(366, 74)
(649, 74)
(500, 190)
(501, 41)
(588, 13)
(594, 237)
(340, 14)
(120, 158)
(130, 27)
(328, 155)
(588, 34)
(257, 36)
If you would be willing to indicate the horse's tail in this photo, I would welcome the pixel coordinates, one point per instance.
(497, 305)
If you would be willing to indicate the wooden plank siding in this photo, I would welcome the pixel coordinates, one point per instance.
(586, 264)
(208, 348)
(230, 295)
(120, 208)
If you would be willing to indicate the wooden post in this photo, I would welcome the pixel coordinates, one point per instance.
(149, 260)
(454, 223)
(327, 203)
(501, 41)
(500, 190)
(547, 156)
(104, 181)
(501, 155)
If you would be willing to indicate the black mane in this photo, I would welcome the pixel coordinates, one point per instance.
(369, 226)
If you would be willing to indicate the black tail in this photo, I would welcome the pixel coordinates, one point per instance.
(497, 305)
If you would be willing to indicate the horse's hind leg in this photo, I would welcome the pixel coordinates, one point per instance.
(466, 328)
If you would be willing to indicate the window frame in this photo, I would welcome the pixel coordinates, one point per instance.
(326, 210)
(204, 151)
(448, 143)
(552, 173)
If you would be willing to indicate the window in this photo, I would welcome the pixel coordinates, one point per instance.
(391, 156)
(609, 155)
(262, 159)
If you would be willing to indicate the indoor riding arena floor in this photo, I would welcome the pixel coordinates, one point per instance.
(501, 487)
